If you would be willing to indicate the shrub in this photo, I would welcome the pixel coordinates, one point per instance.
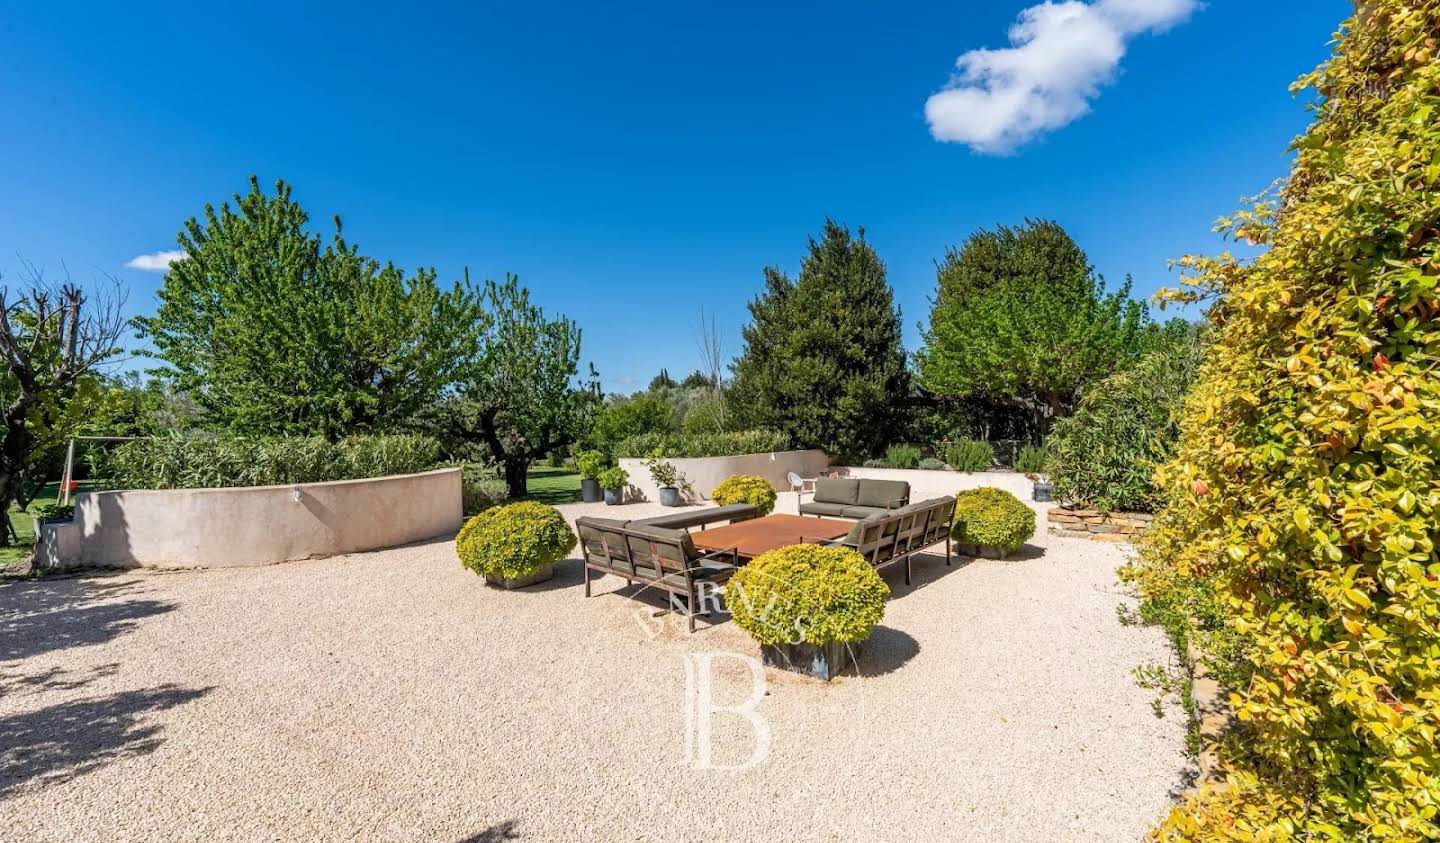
(970, 455)
(705, 416)
(664, 472)
(1304, 486)
(807, 593)
(590, 463)
(990, 517)
(876, 462)
(932, 464)
(1106, 454)
(212, 460)
(746, 488)
(614, 477)
(704, 445)
(514, 541)
(557, 459)
(633, 417)
(480, 489)
(902, 456)
(55, 512)
(1031, 460)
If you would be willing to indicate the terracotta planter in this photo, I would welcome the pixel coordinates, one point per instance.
(589, 490)
(541, 575)
(822, 661)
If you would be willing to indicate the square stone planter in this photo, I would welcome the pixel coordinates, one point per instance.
(541, 575)
(983, 551)
(822, 661)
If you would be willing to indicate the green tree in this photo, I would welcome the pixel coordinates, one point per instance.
(823, 360)
(631, 417)
(697, 380)
(1020, 320)
(523, 397)
(662, 381)
(271, 333)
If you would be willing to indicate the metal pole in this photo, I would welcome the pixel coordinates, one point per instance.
(69, 471)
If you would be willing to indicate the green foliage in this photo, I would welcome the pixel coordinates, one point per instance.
(1031, 460)
(643, 414)
(807, 593)
(589, 464)
(970, 455)
(876, 462)
(704, 445)
(746, 488)
(664, 472)
(55, 512)
(211, 460)
(614, 478)
(514, 541)
(1106, 454)
(705, 416)
(271, 333)
(1305, 488)
(480, 489)
(1020, 319)
(990, 517)
(931, 464)
(662, 381)
(823, 361)
(697, 380)
(903, 456)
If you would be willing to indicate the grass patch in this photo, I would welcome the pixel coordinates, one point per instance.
(552, 485)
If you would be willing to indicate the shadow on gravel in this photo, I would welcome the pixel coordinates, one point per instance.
(44, 615)
(926, 568)
(68, 740)
(494, 834)
(886, 651)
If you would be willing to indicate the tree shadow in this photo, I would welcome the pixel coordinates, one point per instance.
(886, 651)
(54, 613)
(68, 740)
(494, 834)
(56, 678)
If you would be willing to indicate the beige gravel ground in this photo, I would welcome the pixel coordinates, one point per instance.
(392, 696)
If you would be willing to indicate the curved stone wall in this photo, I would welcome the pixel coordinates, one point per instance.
(255, 525)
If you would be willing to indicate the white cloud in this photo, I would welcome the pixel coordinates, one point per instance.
(155, 261)
(1061, 53)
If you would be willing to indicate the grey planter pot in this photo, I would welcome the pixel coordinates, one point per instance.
(614, 497)
(982, 551)
(822, 661)
(1044, 492)
(589, 490)
(669, 496)
(541, 575)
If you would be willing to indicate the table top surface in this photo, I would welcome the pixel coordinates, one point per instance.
(757, 535)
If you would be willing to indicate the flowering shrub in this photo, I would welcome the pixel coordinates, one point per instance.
(990, 517)
(746, 488)
(807, 593)
(514, 541)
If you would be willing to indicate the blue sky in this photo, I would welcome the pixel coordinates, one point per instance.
(635, 162)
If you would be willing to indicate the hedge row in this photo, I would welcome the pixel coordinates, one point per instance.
(209, 460)
(704, 444)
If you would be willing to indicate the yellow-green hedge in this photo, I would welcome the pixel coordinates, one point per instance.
(807, 593)
(514, 541)
(990, 517)
(746, 488)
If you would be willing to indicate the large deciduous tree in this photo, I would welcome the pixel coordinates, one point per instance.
(270, 331)
(823, 360)
(524, 396)
(1020, 320)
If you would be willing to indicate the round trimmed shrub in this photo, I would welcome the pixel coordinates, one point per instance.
(807, 593)
(746, 488)
(514, 541)
(990, 517)
(932, 464)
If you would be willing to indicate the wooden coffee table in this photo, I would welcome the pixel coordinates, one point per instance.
(754, 537)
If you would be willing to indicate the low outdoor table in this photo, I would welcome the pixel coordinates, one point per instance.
(754, 537)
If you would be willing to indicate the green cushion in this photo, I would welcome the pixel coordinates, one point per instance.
(862, 511)
(822, 509)
(882, 493)
(707, 570)
(837, 490)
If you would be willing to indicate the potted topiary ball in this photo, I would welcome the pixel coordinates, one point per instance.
(590, 463)
(614, 480)
(810, 607)
(515, 545)
(991, 522)
(746, 488)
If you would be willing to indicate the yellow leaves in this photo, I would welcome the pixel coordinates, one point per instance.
(1358, 597)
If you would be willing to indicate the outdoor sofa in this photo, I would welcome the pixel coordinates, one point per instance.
(844, 497)
(658, 553)
(897, 535)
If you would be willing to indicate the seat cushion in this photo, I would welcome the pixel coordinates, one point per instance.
(882, 493)
(699, 517)
(853, 537)
(707, 570)
(862, 511)
(819, 508)
(839, 490)
(673, 546)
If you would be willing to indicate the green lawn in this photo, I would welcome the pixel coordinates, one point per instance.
(553, 485)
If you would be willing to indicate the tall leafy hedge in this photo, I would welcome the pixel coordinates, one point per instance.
(704, 444)
(1306, 486)
(208, 460)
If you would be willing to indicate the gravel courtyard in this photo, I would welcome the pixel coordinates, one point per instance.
(392, 696)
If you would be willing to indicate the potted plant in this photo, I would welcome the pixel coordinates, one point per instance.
(1031, 462)
(515, 545)
(590, 464)
(667, 477)
(810, 607)
(613, 480)
(991, 522)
